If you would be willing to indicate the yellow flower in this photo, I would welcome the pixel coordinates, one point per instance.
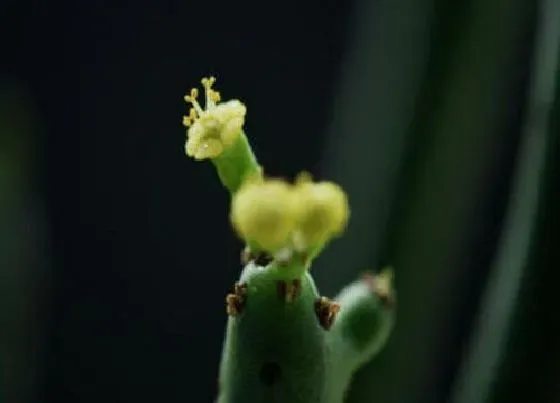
(264, 212)
(215, 128)
(323, 211)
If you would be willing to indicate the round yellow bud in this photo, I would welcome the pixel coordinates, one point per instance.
(323, 211)
(264, 212)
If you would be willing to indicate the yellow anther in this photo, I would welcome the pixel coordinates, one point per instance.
(189, 120)
(214, 96)
(191, 98)
(208, 82)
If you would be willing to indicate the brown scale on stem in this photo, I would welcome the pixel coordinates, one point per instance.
(259, 258)
(235, 302)
(326, 311)
(288, 291)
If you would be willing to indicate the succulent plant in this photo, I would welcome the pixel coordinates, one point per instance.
(284, 341)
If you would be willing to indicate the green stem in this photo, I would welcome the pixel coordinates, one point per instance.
(274, 350)
(361, 330)
(236, 164)
(277, 350)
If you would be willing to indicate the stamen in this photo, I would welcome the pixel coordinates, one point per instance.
(189, 120)
(192, 100)
(207, 83)
(192, 96)
(214, 96)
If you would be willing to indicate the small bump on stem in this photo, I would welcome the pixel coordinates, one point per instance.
(235, 302)
(326, 311)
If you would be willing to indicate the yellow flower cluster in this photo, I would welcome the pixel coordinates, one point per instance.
(275, 214)
(215, 128)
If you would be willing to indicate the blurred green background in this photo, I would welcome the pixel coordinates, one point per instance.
(440, 118)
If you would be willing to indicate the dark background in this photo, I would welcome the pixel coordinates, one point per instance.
(132, 251)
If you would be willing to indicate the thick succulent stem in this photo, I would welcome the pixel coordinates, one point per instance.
(275, 348)
(285, 343)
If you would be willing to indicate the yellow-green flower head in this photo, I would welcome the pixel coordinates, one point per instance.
(323, 211)
(215, 128)
(264, 212)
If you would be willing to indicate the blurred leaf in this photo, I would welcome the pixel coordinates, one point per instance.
(452, 187)
(516, 264)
